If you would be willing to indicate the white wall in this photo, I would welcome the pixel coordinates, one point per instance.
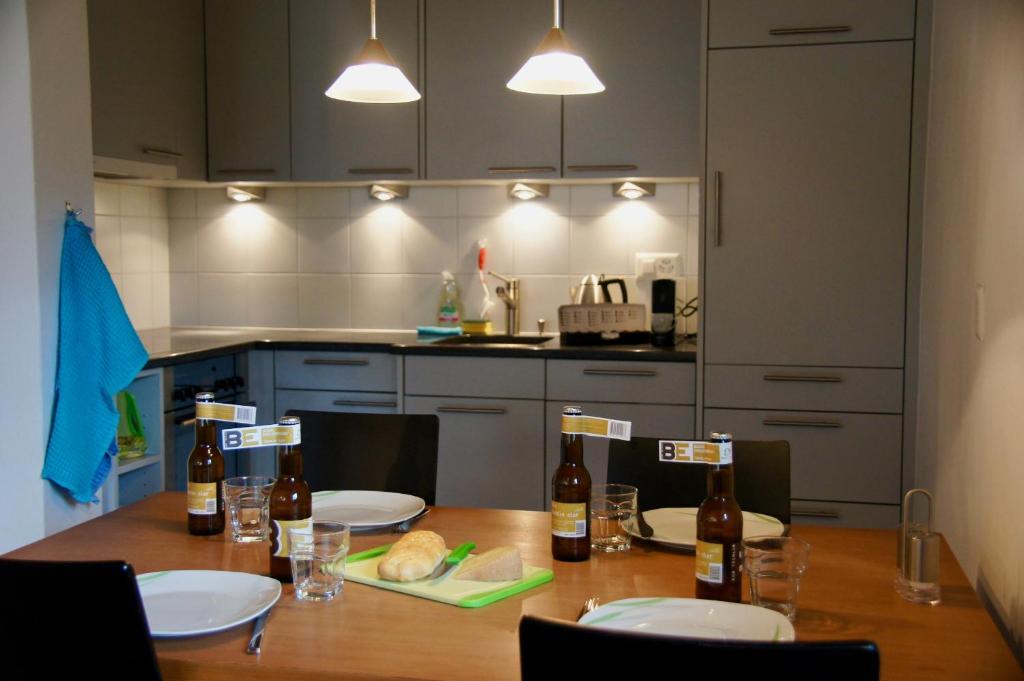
(20, 333)
(333, 257)
(46, 134)
(970, 434)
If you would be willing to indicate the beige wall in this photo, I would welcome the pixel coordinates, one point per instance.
(970, 436)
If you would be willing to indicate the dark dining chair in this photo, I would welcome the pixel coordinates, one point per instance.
(761, 472)
(380, 452)
(81, 619)
(553, 649)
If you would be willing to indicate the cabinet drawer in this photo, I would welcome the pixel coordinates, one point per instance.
(817, 389)
(490, 452)
(321, 400)
(833, 456)
(747, 23)
(335, 371)
(844, 515)
(642, 382)
(474, 376)
(649, 420)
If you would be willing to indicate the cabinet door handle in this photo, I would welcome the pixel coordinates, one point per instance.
(621, 372)
(603, 167)
(163, 153)
(365, 403)
(804, 378)
(472, 410)
(508, 170)
(315, 361)
(802, 423)
(380, 171)
(716, 214)
(814, 513)
(804, 30)
(246, 171)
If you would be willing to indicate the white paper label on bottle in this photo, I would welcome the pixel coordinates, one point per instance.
(694, 451)
(596, 427)
(231, 413)
(260, 436)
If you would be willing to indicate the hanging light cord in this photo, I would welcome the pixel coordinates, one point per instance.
(373, 19)
(558, 19)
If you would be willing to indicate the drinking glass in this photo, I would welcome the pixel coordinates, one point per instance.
(248, 501)
(318, 560)
(774, 566)
(612, 512)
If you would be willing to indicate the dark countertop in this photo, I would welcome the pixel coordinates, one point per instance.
(178, 344)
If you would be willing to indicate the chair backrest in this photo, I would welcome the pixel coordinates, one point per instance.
(762, 476)
(88, 615)
(382, 452)
(552, 649)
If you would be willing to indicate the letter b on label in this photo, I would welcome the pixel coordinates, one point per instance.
(668, 451)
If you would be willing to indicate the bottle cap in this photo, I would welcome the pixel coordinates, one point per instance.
(720, 437)
(204, 397)
(572, 411)
(288, 421)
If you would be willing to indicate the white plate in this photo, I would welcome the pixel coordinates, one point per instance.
(693, 618)
(363, 509)
(190, 602)
(678, 526)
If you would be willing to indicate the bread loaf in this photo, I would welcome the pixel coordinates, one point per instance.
(412, 557)
(502, 564)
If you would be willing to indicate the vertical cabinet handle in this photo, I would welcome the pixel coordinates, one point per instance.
(716, 213)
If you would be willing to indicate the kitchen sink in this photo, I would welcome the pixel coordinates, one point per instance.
(494, 340)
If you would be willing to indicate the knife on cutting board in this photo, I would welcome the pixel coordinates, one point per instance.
(446, 566)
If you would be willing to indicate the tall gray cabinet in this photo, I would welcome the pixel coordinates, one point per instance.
(805, 244)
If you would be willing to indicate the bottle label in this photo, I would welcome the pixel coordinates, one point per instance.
(202, 498)
(448, 314)
(694, 451)
(568, 520)
(232, 413)
(279, 535)
(261, 436)
(709, 562)
(596, 426)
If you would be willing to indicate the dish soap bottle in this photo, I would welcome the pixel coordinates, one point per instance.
(449, 309)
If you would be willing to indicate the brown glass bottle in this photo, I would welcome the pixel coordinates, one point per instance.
(291, 504)
(570, 499)
(719, 556)
(205, 478)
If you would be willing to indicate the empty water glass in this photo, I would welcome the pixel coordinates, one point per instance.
(248, 503)
(774, 566)
(612, 513)
(318, 560)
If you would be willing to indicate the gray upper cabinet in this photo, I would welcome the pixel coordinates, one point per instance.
(807, 171)
(647, 54)
(747, 23)
(475, 126)
(247, 90)
(334, 140)
(146, 71)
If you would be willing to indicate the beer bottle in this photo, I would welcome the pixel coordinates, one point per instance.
(720, 531)
(291, 504)
(205, 478)
(570, 499)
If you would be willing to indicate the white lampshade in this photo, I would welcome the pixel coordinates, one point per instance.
(555, 69)
(373, 78)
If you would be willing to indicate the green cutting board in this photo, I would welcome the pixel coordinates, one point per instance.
(362, 568)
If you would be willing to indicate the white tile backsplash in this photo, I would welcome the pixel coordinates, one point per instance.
(108, 198)
(137, 296)
(135, 201)
(136, 245)
(161, 299)
(330, 257)
(107, 237)
(160, 244)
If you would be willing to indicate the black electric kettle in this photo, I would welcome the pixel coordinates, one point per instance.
(593, 290)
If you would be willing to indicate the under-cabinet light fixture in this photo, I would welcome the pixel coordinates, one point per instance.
(633, 190)
(554, 68)
(246, 194)
(387, 192)
(524, 191)
(374, 77)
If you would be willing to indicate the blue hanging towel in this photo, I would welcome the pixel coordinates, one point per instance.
(98, 354)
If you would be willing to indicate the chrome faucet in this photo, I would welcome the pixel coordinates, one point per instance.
(509, 294)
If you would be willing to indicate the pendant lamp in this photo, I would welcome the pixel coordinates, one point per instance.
(374, 77)
(555, 69)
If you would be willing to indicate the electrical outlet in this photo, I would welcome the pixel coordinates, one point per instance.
(658, 265)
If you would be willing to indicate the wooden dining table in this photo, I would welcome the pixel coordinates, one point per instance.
(370, 633)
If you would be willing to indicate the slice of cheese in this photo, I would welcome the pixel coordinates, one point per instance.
(503, 564)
